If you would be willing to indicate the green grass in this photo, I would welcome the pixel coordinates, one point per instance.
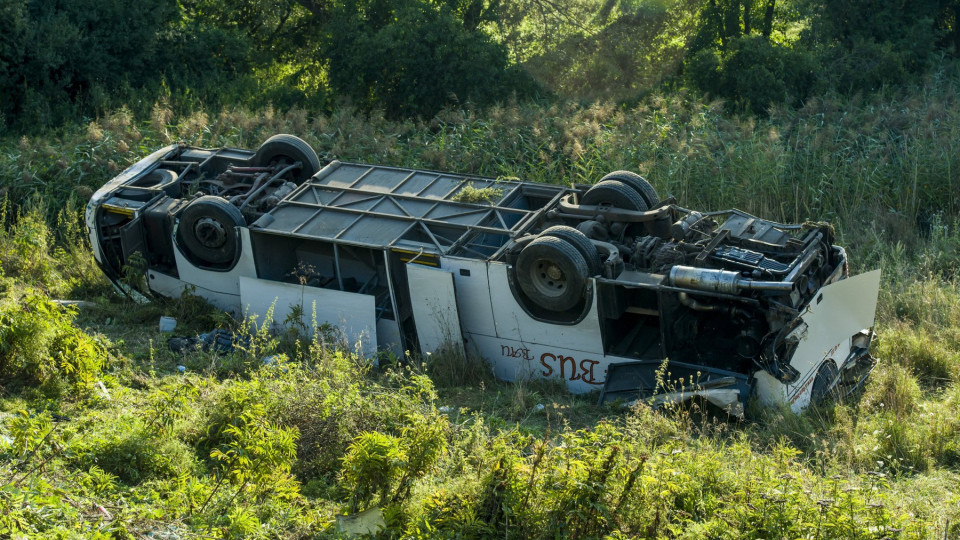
(122, 444)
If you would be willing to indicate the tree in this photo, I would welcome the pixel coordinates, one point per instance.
(55, 53)
(278, 29)
(734, 55)
(413, 57)
(869, 43)
(724, 21)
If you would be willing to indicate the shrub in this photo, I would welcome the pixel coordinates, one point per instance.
(132, 451)
(870, 43)
(371, 467)
(867, 66)
(48, 251)
(256, 456)
(56, 54)
(25, 249)
(40, 346)
(413, 57)
(753, 74)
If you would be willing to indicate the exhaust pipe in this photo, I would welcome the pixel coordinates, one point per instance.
(723, 281)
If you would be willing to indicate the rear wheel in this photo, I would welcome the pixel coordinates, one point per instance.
(580, 242)
(207, 234)
(615, 193)
(284, 149)
(638, 183)
(552, 273)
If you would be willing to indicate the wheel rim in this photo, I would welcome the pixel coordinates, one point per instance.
(210, 233)
(548, 278)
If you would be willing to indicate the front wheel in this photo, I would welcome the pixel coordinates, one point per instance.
(822, 389)
(207, 232)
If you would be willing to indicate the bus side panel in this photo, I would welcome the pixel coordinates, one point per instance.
(513, 323)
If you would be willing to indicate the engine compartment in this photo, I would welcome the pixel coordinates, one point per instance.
(716, 289)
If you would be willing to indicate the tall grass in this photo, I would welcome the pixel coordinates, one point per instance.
(881, 169)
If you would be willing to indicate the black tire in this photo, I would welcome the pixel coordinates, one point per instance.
(821, 382)
(582, 244)
(616, 194)
(552, 273)
(287, 149)
(206, 231)
(638, 183)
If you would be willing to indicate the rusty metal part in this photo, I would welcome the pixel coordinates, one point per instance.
(611, 214)
(681, 228)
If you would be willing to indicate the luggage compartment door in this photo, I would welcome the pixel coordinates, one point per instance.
(435, 313)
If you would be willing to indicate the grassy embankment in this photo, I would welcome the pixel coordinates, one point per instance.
(102, 435)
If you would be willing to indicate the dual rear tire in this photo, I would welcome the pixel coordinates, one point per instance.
(553, 270)
(623, 189)
(638, 184)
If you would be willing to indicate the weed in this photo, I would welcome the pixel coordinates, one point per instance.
(224, 449)
(450, 366)
(371, 467)
(472, 194)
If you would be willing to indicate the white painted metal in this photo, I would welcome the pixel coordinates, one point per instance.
(726, 399)
(537, 359)
(388, 337)
(513, 323)
(221, 282)
(473, 294)
(106, 191)
(270, 302)
(353, 314)
(172, 287)
(844, 308)
(434, 306)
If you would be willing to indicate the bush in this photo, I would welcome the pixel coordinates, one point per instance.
(40, 346)
(754, 74)
(47, 251)
(371, 466)
(56, 54)
(413, 58)
(61, 60)
(866, 66)
(132, 452)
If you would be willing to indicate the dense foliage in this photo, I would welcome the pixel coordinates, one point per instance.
(60, 61)
(410, 57)
(60, 58)
(238, 447)
(755, 53)
(843, 110)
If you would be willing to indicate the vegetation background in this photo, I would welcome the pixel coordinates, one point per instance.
(839, 110)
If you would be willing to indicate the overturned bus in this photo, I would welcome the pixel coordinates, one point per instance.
(606, 286)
